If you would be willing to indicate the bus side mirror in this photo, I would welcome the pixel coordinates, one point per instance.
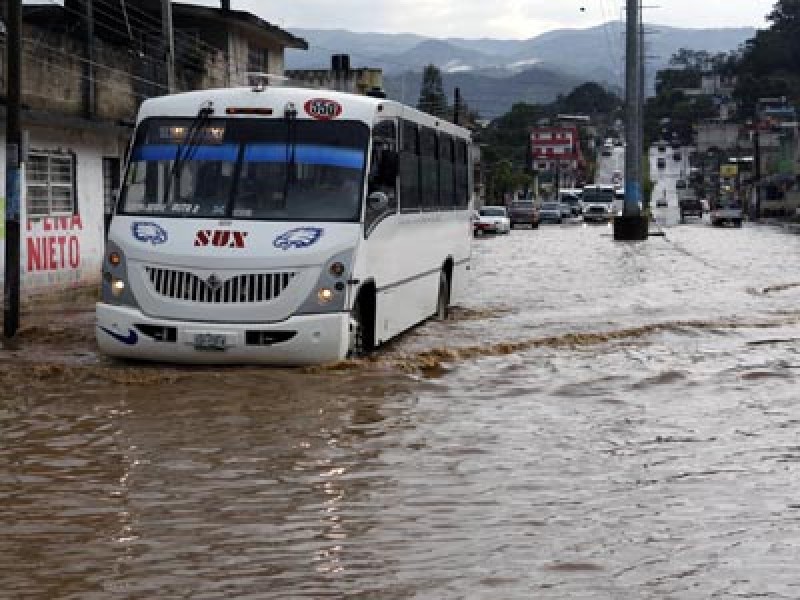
(378, 202)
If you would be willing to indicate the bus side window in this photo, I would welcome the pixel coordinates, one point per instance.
(409, 168)
(462, 167)
(384, 144)
(447, 199)
(428, 169)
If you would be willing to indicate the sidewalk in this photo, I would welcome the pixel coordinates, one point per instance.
(787, 225)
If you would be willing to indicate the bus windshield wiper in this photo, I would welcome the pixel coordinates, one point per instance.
(186, 147)
(290, 113)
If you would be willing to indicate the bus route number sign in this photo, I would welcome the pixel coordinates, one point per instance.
(322, 109)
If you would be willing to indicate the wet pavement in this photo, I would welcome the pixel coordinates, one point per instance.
(600, 420)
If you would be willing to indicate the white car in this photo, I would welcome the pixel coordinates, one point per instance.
(492, 219)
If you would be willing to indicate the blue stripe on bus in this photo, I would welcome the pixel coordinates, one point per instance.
(227, 152)
(306, 154)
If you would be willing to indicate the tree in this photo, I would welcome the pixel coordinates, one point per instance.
(770, 63)
(687, 59)
(432, 98)
(590, 99)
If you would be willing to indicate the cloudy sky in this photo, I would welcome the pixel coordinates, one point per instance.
(519, 19)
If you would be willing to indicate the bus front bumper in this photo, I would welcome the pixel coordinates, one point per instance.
(125, 332)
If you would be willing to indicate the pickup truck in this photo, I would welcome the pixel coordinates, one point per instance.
(690, 205)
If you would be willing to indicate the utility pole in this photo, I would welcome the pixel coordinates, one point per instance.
(90, 98)
(632, 224)
(14, 158)
(457, 106)
(169, 40)
(757, 171)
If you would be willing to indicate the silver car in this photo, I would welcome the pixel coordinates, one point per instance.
(550, 212)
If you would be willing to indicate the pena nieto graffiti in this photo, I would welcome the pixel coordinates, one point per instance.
(53, 244)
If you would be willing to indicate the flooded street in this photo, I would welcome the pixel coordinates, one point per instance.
(600, 420)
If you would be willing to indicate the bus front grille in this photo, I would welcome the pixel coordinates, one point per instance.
(238, 289)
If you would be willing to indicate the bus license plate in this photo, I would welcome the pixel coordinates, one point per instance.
(210, 342)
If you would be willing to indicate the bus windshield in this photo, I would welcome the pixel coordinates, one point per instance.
(269, 169)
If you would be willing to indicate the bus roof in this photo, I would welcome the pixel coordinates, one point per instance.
(276, 98)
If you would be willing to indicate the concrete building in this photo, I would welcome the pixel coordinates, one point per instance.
(556, 154)
(86, 68)
(340, 77)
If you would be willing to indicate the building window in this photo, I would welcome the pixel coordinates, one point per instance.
(257, 59)
(110, 183)
(50, 178)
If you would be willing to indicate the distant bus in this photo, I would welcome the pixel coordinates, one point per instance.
(283, 226)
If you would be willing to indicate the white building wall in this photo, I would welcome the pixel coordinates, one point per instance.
(65, 252)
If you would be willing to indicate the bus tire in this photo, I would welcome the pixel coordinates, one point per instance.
(443, 299)
(362, 319)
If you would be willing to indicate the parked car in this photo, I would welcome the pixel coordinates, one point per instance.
(726, 210)
(690, 206)
(572, 200)
(550, 212)
(492, 219)
(523, 212)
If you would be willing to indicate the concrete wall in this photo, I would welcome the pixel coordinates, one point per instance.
(64, 252)
(355, 81)
(239, 47)
(718, 135)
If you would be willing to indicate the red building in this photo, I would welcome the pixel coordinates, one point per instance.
(556, 150)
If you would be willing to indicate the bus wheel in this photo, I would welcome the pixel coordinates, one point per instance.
(443, 301)
(362, 329)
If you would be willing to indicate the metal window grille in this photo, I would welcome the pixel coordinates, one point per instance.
(110, 182)
(257, 59)
(50, 181)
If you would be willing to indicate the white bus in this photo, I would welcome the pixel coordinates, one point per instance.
(283, 225)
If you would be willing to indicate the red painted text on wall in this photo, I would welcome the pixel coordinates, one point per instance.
(53, 243)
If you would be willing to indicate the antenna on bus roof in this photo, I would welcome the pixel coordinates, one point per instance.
(259, 81)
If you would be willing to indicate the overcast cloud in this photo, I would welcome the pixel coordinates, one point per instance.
(519, 19)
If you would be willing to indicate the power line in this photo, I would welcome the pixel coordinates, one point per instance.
(194, 58)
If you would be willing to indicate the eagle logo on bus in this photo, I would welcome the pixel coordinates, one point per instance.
(322, 109)
(149, 232)
(302, 237)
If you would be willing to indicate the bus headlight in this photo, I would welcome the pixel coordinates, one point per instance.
(330, 293)
(117, 286)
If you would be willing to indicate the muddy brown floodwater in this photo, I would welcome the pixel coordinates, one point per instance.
(600, 420)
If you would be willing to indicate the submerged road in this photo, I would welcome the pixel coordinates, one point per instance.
(601, 420)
